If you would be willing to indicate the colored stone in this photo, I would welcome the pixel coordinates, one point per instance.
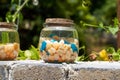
(74, 48)
(43, 46)
(66, 42)
(53, 36)
(52, 40)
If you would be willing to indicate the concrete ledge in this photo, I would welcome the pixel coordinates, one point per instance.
(4, 70)
(3, 73)
(38, 70)
(95, 71)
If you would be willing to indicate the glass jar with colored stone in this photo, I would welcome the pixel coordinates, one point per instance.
(9, 41)
(58, 41)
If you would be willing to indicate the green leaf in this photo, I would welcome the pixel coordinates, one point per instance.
(20, 17)
(116, 22)
(35, 53)
(101, 25)
(86, 3)
(113, 30)
(9, 17)
(28, 53)
(110, 50)
(32, 54)
(21, 53)
(12, 17)
(118, 51)
(116, 56)
(80, 58)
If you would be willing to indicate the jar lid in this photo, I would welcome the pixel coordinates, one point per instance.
(6, 25)
(59, 21)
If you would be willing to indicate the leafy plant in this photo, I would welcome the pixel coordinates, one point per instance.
(83, 57)
(115, 54)
(12, 17)
(109, 54)
(30, 54)
(113, 29)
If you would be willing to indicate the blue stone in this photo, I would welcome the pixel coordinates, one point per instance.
(74, 48)
(66, 42)
(43, 46)
(52, 40)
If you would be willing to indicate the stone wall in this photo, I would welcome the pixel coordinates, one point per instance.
(38, 70)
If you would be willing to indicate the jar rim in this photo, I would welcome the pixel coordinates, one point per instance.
(59, 22)
(7, 25)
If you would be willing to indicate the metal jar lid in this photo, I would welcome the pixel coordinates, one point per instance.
(58, 22)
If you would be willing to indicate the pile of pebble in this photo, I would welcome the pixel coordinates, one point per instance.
(59, 51)
(9, 51)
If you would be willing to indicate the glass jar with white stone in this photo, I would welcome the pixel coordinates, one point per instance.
(58, 41)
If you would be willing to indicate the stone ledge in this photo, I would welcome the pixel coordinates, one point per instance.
(38, 70)
(94, 71)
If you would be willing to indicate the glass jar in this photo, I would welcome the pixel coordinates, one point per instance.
(9, 41)
(59, 41)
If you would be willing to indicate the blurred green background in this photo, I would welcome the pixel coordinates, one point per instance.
(92, 12)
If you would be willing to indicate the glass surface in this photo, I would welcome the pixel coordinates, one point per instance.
(9, 43)
(59, 44)
(8, 36)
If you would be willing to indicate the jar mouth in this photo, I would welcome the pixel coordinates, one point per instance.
(7, 25)
(59, 22)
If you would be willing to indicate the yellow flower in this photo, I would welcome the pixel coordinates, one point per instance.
(103, 55)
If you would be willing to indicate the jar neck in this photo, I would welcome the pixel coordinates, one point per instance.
(8, 25)
(57, 25)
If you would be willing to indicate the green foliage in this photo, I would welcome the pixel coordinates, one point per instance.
(115, 54)
(113, 29)
(104, 10)
(31, 54)
(95, 13)
(12, 17)
(86, 3)
(83, 57)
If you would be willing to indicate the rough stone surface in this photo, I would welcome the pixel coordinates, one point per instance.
(3, 70)
(94, 71)
(38, 70)
(3, 73)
